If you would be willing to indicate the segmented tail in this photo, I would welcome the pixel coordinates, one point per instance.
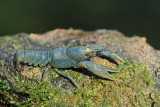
(35, 57)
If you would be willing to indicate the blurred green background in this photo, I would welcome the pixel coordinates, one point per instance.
(131, 17)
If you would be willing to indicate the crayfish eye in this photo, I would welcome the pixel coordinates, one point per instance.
(88, 54)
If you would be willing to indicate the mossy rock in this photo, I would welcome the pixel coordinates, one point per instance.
(136, 85)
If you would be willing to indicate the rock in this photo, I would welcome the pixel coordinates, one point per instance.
(130, 48)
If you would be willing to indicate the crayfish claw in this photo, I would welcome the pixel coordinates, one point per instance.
(98, 69)
(116, 58)
(111, 55)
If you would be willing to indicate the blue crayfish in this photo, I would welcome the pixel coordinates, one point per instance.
(77, 56)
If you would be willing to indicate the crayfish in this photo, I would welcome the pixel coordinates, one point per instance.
(77, 56)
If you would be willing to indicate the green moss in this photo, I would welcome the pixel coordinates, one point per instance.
(133, 87)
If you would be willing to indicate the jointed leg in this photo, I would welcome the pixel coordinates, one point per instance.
(69, 77)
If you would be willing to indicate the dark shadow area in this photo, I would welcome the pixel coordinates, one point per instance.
(137, 17)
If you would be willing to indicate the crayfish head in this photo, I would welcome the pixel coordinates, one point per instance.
(93, 49)
(80, 53)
